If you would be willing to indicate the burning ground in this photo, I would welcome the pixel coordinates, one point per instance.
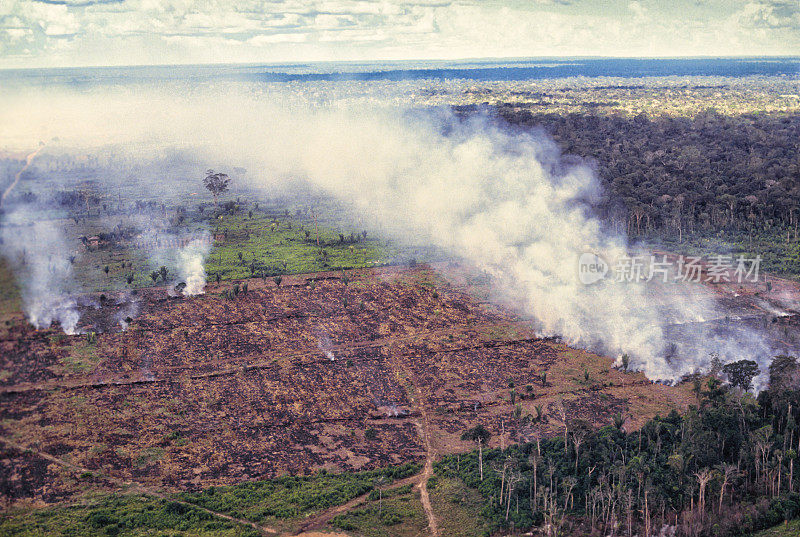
(320, 372)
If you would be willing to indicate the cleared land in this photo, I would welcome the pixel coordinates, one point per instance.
(212, 391)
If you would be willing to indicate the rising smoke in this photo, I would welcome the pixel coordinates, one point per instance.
(38, 253)
(190, 264)
(513, 208)
(505, 202)
(42, 246)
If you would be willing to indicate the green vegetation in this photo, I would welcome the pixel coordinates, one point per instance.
(82, 356)
(457, 507)
(9, 292)
(778, 255)
(284, 498)
(267, 246)
(787, 529)
(216, 183)
(726, 467)
(251, 239)
(399, 512)
(290, 497)
(125, 516)
(706, 184)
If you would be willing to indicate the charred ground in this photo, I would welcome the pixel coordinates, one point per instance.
(210, 390)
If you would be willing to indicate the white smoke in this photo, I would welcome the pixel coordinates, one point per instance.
(190, 264)
(39, 254)
(505, 202)
(324, 345)
(509, 205)
(129, 310)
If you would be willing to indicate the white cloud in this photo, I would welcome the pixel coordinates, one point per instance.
(774, 15)
(277, 38)
(187, 31)
(17, 33)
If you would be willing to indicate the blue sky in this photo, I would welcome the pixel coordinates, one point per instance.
(47, 33)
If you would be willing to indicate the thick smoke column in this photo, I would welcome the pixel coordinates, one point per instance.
(513, 207)
(190, 264)
(184, 252)
(38, 252)
(509, 205)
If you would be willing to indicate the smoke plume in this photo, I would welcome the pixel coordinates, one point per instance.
(325, 345)
(507, 203)
(40, 256)
(190, 264)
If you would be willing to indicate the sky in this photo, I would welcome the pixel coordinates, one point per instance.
(65, 33)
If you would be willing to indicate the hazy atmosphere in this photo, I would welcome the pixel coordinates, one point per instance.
(399, 269)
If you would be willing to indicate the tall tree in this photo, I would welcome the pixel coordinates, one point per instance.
(380, 482)
(479, 435)
(741, 373)
(703, 477)
(216, 183)
(726, 472)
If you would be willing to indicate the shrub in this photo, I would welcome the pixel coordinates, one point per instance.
(391, 519)
(100, 519)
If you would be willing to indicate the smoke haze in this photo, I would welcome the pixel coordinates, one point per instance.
(505, 202)
(38, 252)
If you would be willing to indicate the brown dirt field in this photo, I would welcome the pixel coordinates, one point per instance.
(321, 534)
(207, 391)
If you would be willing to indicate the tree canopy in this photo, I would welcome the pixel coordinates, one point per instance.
(216, 183)
(741, 373)
(723, 468)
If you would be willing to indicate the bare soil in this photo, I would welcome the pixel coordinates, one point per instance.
(206, 390)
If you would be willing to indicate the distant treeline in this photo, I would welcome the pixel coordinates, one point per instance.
(673, 176)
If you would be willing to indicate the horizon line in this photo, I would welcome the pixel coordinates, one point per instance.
(407, 60)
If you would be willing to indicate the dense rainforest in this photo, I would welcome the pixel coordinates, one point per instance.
(682, 180)
(724, 468)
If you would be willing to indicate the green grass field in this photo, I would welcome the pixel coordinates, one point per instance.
(123, 515)
(397, 513)
(264, 244)
(288, 498)
(458, 508)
